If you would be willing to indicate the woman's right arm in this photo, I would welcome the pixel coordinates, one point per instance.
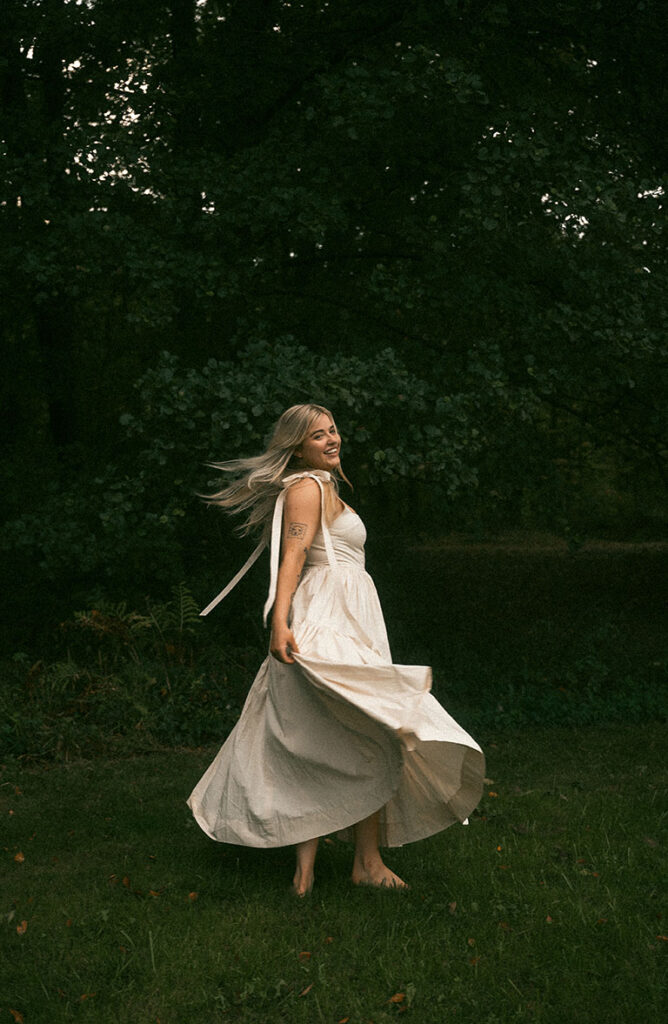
(301, 521)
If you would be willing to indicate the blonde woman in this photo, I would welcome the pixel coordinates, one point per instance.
(333, 738)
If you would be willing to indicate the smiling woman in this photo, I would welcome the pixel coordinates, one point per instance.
(321, 448)
(333, 737)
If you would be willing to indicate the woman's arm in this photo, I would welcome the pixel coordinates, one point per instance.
(301, 520)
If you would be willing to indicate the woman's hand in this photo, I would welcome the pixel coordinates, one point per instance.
(282, 644)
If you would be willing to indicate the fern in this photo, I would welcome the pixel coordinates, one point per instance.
(185, 608)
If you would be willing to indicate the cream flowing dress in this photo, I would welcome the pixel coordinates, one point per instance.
(342, 732)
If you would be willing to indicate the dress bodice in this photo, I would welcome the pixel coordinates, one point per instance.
(348, 535)
(339, 544)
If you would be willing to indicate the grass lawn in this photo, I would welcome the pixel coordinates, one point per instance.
(550, 906)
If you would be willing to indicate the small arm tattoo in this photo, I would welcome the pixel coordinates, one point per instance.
(297, 530)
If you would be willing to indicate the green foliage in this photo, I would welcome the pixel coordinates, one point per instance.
(131, 681)
(456, 203)
(187, 416)
(127, 680)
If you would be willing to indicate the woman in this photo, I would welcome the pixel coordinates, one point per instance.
(333, 738)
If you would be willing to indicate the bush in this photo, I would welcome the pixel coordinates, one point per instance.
(396, 426)
(128, 680)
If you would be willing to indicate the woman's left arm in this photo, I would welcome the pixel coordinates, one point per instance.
(301, 520)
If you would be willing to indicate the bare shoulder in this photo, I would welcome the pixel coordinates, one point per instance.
(303, 497)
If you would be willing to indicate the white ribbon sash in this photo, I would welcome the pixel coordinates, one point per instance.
(318, 476)
(275, 543)
(235, 579)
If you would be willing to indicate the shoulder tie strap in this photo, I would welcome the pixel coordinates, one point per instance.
(275, 550)
(235, 579)
(318, 476)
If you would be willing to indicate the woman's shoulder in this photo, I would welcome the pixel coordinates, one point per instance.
(303, 493)
(308, 480)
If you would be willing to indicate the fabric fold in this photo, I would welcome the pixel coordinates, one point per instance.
(343, 731)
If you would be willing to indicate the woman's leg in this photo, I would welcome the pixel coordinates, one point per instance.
(302, 883)
(368, 867)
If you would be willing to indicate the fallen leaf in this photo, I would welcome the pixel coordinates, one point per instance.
(471, 942)
(602, 920)
(498, 849)
(304, 955)
(22, 928)
(344, 1020)
(504, 926)
(548, 919)
(87, 995)
(19, 857)
(11, 813)
(474, 960)
(18, 791)
(68, 923)
(192, 896)
(329, 939)
(650, 842)
(488, 782)
(398, 997)
(126, 881)
(155, 892)
(18, 1017)
(663, 938)
(504, 867)
(492, 793)
(452, 907)
(306, 990)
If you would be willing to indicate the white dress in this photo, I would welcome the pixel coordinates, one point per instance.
(325, 742)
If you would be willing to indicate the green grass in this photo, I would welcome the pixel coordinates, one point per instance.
(548, 907)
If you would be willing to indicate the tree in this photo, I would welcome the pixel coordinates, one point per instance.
(478, 187)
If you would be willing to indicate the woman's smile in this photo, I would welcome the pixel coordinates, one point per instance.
(322, 448)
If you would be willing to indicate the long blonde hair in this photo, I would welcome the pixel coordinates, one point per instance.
(259, 478)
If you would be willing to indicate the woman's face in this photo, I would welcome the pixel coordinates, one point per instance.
(321, 447)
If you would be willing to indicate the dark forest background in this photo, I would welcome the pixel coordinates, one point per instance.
(445, 220)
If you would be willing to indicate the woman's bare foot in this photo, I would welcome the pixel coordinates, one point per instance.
(302, 883)
(375, 872)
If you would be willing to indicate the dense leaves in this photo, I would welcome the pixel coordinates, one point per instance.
(461, 204)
